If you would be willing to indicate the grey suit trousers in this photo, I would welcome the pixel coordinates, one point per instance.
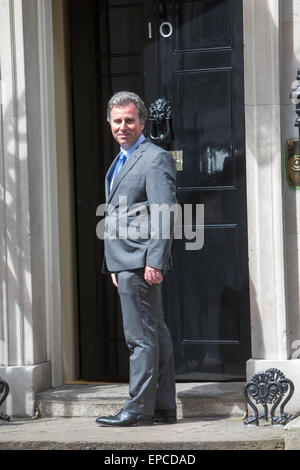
(152, 375)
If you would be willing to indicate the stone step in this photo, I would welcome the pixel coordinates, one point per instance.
(194, 400)
(189, 434)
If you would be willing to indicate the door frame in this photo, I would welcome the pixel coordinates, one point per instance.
(264, 252)
(264, 173)
(50, 228)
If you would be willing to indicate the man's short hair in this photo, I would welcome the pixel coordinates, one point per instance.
(122, 98)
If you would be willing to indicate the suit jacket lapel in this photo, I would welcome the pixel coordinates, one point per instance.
(109, 175)
(134, 157)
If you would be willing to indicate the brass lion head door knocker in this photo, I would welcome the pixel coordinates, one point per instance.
(161, 131)
(160, 115)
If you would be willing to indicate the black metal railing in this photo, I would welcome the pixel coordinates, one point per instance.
(268, 388)
(4, 391)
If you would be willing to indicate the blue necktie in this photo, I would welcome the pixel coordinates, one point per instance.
(119, 165)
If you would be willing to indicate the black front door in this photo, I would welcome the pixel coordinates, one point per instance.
(191, 53)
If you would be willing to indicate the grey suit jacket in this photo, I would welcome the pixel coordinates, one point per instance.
(147, 179)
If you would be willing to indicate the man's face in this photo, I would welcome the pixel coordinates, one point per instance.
(125, 124)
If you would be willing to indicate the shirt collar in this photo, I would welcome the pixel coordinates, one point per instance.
(129, 151)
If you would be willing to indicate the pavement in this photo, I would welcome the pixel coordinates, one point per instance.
(210, 417)
(80, 433)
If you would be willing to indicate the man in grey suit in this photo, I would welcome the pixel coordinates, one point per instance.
(143, 176)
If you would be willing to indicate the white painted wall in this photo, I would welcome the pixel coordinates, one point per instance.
(30, 326)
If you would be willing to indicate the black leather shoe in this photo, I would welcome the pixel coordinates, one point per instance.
(165, 416)
(125, 418)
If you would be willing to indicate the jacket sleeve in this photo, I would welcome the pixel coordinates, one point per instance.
(161, 193)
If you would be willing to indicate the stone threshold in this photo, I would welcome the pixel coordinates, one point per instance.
(194, 399)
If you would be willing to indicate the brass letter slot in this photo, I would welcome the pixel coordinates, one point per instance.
(178, 159)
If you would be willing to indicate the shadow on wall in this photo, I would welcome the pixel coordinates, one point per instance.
(16, 293)
(22, 295)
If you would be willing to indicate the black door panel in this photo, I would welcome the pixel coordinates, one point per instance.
(190, 52)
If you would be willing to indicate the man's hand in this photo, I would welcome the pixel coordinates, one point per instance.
(114, 279)
(152, 275)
